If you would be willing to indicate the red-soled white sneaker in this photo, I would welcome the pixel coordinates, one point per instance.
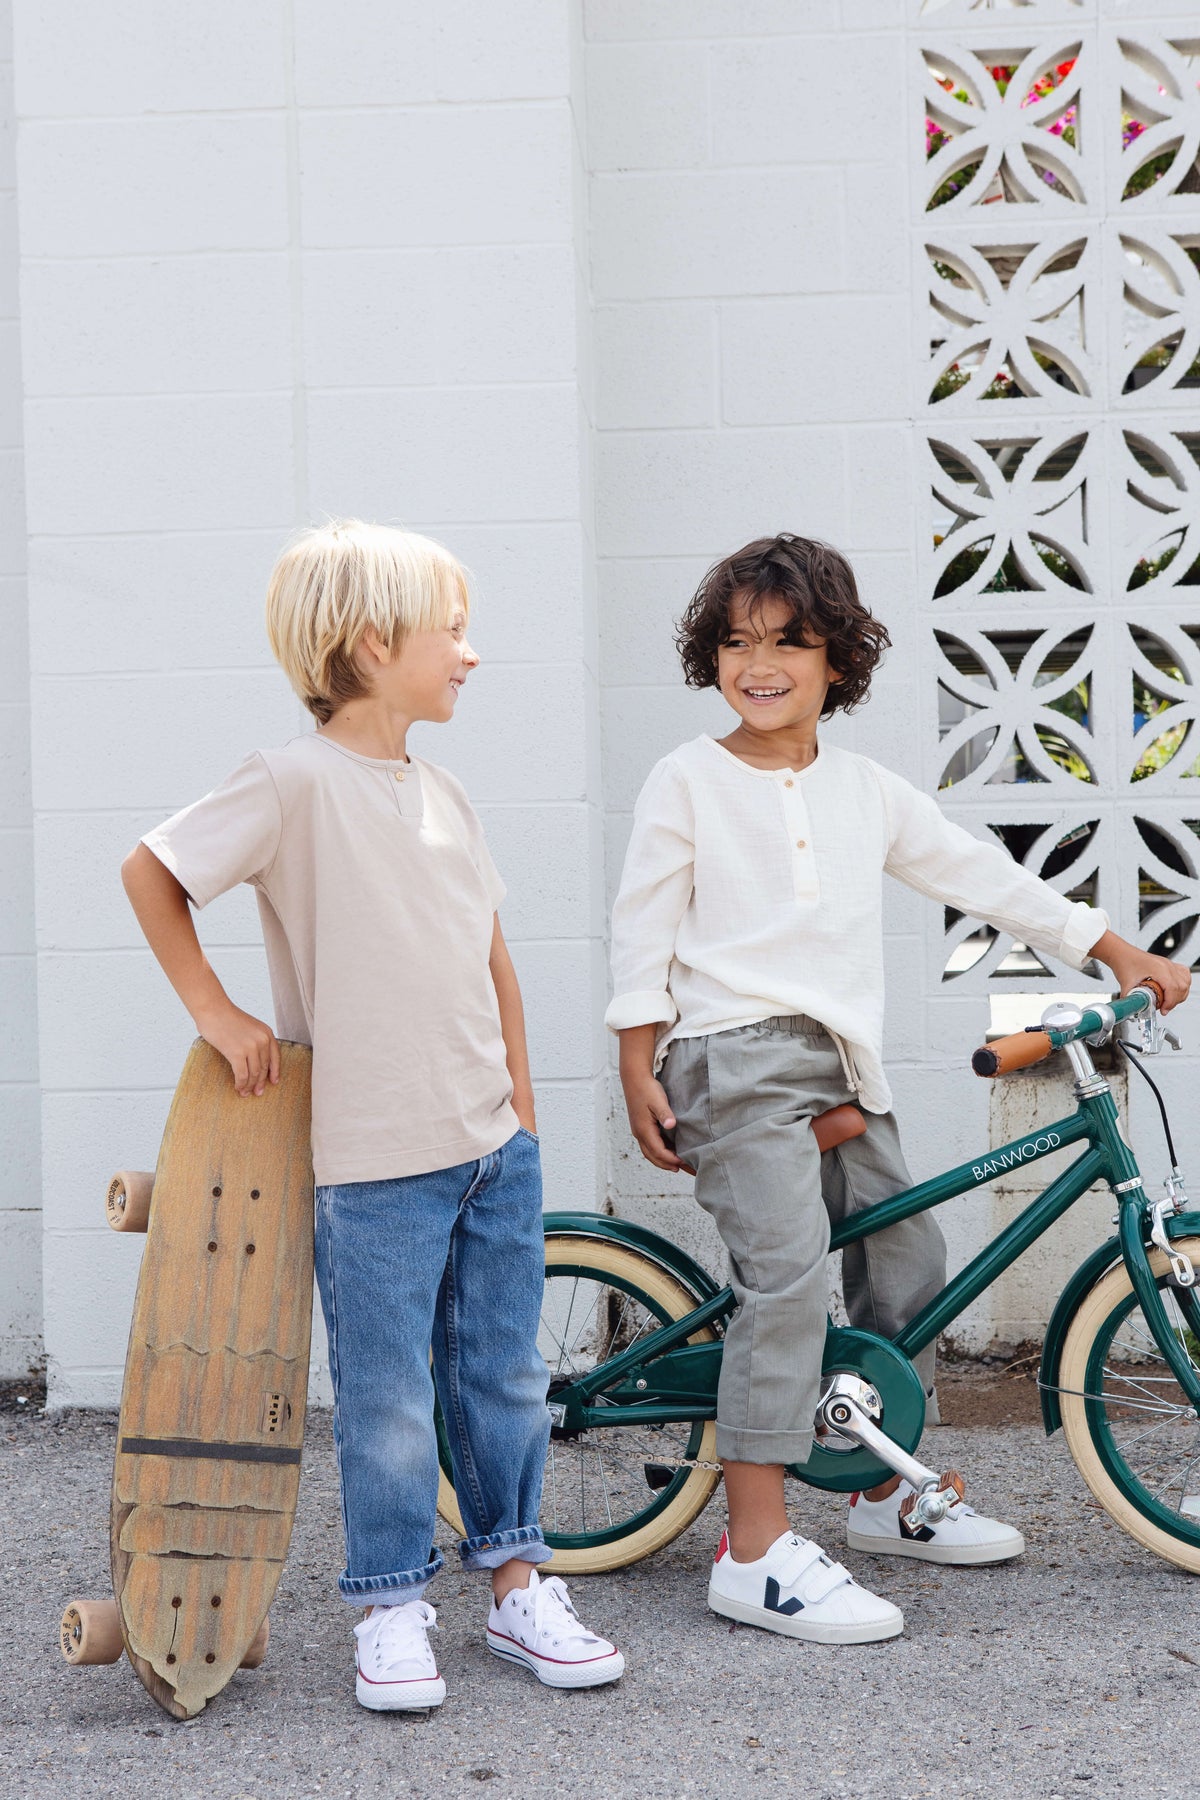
(395, 1667)
(797, 1590)
(538, 1626)
(963, 1536)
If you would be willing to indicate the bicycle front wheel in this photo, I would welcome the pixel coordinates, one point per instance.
(611, 1495)
(1133, 1433)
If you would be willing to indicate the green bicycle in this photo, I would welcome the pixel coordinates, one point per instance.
(632, 1333)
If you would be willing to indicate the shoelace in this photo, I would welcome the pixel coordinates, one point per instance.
(553, 1612)
(808, 1559)
(400, 1634)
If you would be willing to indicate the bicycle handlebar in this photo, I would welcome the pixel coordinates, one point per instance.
(1024, 1048)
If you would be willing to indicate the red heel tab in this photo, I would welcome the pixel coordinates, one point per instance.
(855, 1496)
(722, 1547)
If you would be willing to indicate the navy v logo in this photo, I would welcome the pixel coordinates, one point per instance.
(771, 1600)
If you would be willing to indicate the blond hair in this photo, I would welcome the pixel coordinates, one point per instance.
(334, 583)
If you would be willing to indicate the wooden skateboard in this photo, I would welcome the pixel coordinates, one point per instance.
(207, 1464)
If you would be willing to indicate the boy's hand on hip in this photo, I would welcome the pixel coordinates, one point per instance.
(248, 1046)
(650, 1116)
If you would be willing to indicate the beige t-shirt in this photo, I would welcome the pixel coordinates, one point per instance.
(377, 894)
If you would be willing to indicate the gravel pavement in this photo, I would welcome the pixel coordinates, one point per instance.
(1072, 1672)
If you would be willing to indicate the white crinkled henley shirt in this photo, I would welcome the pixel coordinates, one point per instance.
(752, 894)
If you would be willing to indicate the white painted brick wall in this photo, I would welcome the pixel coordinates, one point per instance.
(335, 272)
(20, 1129)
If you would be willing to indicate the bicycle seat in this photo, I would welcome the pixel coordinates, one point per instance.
(837, 1126)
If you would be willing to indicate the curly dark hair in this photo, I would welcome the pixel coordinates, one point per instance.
(817, 582)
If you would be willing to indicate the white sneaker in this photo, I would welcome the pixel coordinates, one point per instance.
(538, 1626)
(962, 1537)
(396, 1670)
(797, 1590)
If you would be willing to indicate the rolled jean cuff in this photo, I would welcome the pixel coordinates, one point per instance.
(524, 1544)
(735, 1444)
(389, 1590)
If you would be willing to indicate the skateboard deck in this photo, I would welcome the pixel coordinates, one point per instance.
(207, 1465)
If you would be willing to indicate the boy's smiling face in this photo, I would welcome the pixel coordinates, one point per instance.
(423, 680)
(772, 675)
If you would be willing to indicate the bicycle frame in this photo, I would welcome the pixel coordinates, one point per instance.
(682, 1386)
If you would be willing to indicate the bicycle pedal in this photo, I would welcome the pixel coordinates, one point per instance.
(657, 1475)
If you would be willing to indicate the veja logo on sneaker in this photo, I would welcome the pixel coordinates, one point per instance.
(771, 1600)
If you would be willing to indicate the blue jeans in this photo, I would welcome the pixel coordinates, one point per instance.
(451, 1260)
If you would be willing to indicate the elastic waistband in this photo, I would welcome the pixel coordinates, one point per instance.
(795, 1025)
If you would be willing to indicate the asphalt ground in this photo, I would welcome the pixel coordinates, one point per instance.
(1072, 1672)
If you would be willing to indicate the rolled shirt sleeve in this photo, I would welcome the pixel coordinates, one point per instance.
(231, 835)
(656, 886)
(941, 860)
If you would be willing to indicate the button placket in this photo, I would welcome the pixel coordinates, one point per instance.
(805, 883)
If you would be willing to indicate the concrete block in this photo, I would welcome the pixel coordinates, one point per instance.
(19, 1010)
(681, 1222)
(516, 738)
(157, 326)
(799, 362)
(461, 175)
(647, 106)
(8, 165)
(364, 54)
(570, 1120)
(556, 986)
(784, 101)
(514, 50)
(528, 582)
(543, 853)
(639, 602)
(145, 57)
(395, 318)
(89, 1282)
(642, 724)
(109, 1019)
(20, 1292)
(879, 488)
(87, 1136)
(180, 735)
(689, 493)
(718, 231)
(648, 19)
(655, 365)
(20, 1133)
(12, 512)
(154, 186)
(10, 262)
(438, 454)
(16, 891)
(81, 902)
(190, 600)
(877, 205)
(150, 464)
(14, 766)
(11, 392)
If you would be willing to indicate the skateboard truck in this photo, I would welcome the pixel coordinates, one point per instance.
(846, 1407)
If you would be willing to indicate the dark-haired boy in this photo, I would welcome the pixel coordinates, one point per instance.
(748, 965)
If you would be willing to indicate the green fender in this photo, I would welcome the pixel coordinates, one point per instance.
(1081, 1283)
(637, 1237)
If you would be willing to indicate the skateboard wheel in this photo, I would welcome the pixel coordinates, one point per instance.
(258, 1648)
(127, 1204)
(91, 1632)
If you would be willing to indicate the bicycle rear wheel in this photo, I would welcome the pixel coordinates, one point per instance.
(611, 1496)
(1133, 1433)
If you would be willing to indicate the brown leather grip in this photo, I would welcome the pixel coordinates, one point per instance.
(837, 1126)
(1015, 1052)
(1147, 981)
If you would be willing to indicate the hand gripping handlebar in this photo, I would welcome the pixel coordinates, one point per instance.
(1004, 1054)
